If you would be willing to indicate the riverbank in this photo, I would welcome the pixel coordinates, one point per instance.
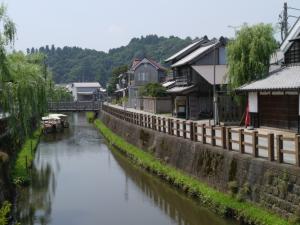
(219, 202)
(21, 169)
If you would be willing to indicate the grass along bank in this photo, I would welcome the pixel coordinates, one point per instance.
(90, 116)
(221, 203)
(4, 212)
(20, 173)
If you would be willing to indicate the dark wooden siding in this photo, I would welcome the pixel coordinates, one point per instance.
(150, 73)
(293, 54)
(280, 111)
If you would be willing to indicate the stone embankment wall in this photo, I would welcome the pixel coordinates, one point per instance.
(274, 185)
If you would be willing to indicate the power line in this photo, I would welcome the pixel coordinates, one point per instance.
(283, 20)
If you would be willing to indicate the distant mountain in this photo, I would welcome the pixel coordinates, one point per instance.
(70, 64)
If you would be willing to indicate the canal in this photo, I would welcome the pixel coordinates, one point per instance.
(78, 180)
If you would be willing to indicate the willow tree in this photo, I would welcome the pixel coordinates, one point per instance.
(24, 96)
(249, 54)
(7, 37)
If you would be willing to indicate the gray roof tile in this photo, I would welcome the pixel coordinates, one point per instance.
(286, 78)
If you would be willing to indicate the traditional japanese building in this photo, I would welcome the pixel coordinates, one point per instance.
(197, 69)
(85, 91)
(143, 72)
(274, 100)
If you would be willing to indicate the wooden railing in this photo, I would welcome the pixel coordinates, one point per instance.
(74, 106)
(233, 139)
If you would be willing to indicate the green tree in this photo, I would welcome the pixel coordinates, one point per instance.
(153, 90)
(114, 78)
(67, 63)
(249, 54)
(24, 96)
(7, 37)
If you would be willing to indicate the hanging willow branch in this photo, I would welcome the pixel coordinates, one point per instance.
(24, 97)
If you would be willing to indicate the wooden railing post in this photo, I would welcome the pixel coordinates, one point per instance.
(159, 124)
(192, 137)
(223, 136)
(141, 119)
(241, 141)
(203, 133)
(184, 129)
(169, 126)
(164, 124)
(149, 121)
(195, 132)
(228, 138)
(173, 127)
(213, 136)
(271, 146)
(279, 148)
(177, 128)
(254, 144)
(153, 123)
(297, 150)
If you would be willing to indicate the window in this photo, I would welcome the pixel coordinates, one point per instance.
(293, 54)
(141, 76)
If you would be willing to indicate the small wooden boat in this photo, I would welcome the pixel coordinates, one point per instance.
(54, 123)
(63, 119)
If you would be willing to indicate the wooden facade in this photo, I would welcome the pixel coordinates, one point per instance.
(143, 72)
(192, 95)
(277, 110)
(283, 114)
(274, 100)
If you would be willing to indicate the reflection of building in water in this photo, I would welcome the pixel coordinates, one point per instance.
(173, 203)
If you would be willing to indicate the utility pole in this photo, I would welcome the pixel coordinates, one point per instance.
(285, 20)
(215, 97)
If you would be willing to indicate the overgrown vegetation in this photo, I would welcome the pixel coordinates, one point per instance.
(4, 212)
(25, 157)
(90, 117)
(114, 79)
(153, 90)
(249, 54)
(76, 64)
(26, 84)
(59, 94)
(221, 203)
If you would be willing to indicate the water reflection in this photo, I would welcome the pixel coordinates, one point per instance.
(35, 202)
(181, 209)
(77, 180)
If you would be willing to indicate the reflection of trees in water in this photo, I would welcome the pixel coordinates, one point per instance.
(34, 203)
(176, 205)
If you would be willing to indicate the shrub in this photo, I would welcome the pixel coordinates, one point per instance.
(153, 90)
(4, 211)
(90, 117)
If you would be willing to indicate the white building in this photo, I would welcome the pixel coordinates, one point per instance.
(85, 91)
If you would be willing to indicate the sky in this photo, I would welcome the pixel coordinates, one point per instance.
(106, 24)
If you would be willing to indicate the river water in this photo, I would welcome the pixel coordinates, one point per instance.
(78, 180)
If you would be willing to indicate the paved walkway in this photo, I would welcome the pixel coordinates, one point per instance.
(166, 115)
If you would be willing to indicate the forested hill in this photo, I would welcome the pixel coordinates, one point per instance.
(70, 64)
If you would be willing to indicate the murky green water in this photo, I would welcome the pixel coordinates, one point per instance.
(77, 180)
